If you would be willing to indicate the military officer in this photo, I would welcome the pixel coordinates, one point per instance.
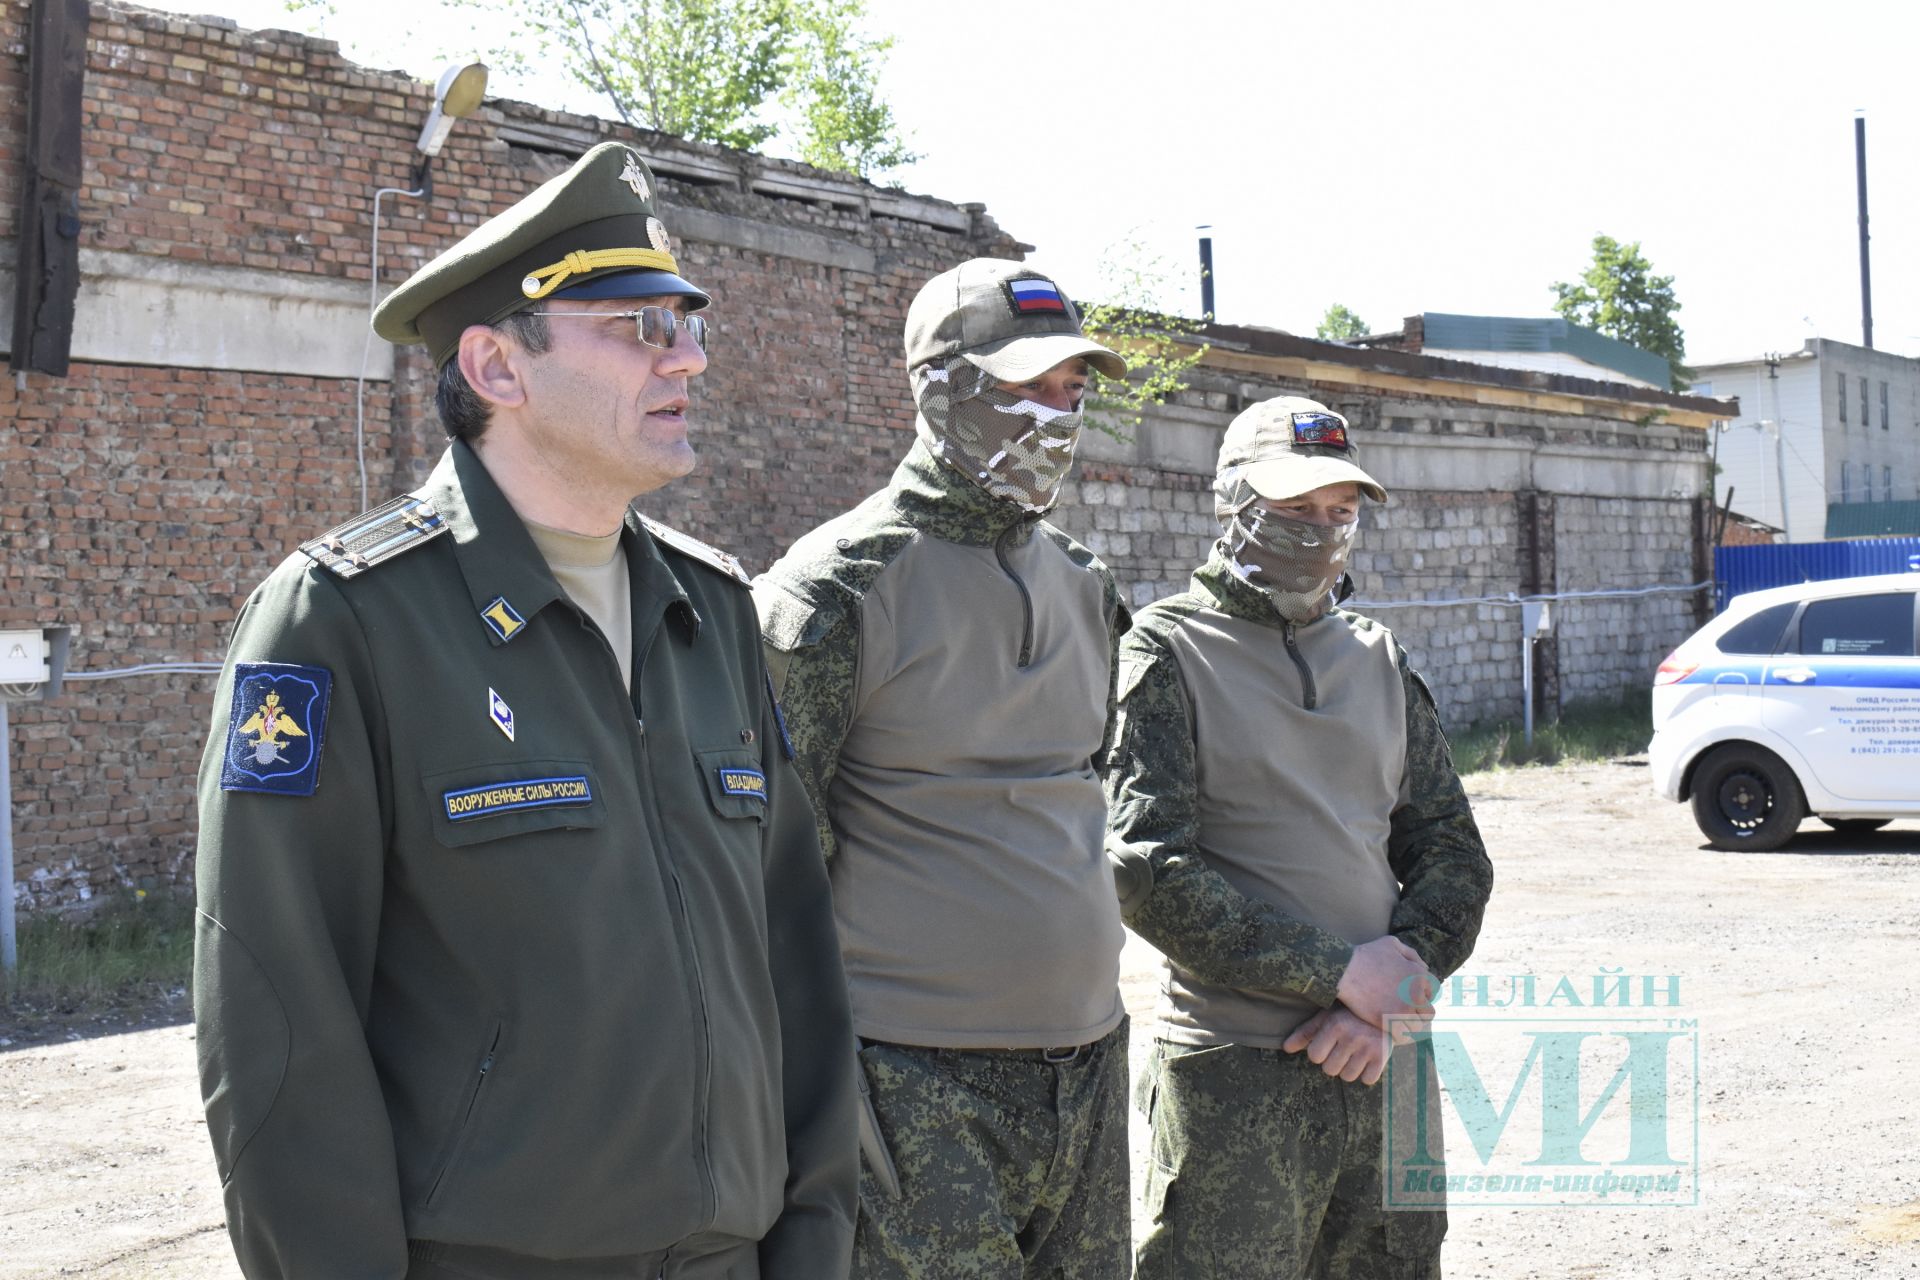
(945, 658)
(516, 953)
(1289, 831)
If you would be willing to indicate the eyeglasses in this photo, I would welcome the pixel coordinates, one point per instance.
(655, 325)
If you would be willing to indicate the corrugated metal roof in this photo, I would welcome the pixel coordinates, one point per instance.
(1873, 519)
(1512, 333)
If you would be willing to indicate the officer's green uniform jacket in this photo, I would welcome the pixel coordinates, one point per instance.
(1211, 931)
(571, 992)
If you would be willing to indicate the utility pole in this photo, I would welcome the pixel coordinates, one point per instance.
(1866, 275)
(1206, 276)
(1779, 441)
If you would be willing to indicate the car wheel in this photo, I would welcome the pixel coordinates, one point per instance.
(1745, 797)
(1856, 826)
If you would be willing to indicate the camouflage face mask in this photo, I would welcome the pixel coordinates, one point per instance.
(1010, 446)
(1297, 564)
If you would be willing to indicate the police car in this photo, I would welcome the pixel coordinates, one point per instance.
(1796, 700)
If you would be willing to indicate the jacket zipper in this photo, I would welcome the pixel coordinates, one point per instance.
(466, 1120)
(1026, 597)
(643, 759)
(1307, 693)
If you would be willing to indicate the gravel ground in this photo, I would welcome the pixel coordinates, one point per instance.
(1790, 963)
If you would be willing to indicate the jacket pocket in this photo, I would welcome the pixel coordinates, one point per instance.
(476, 1091)
(736, 784)
(483, 802)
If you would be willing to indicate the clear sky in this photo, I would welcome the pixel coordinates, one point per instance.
(1395, 157)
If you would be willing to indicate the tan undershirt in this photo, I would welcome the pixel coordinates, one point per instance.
(593, 573)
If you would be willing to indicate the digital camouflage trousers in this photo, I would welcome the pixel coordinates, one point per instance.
(1010, 1167)
(1266, 1168)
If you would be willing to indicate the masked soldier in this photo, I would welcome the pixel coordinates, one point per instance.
(944, 657)
(1289, 831)
(516, 957)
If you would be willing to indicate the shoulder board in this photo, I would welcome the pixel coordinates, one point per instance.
(694, 549)
(353, 548)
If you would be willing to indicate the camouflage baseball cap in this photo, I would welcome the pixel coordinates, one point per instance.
(1282, 448)
(1003, 316)
(591, 232)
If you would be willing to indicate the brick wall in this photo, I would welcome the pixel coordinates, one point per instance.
(140, 502)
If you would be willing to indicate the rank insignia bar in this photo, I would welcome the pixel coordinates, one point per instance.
(350, 549)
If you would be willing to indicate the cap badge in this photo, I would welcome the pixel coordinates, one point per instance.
(1321, 429)
(1035, 297)
(657, 235)
(634, 176)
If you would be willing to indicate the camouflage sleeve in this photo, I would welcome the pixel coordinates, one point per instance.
(1119, 620)
(814, 662)
(1169, 895)
(1435, 847)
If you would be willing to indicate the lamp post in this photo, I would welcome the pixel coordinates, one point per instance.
(458, 94)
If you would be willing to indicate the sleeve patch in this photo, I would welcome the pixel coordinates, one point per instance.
(275, 728)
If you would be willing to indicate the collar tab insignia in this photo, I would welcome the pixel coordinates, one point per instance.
(275, 728)
(504, 620)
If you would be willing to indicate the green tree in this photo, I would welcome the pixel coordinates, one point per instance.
(797, 74)
(1621, 297)
(1340, 324)
(834, 91)
(1160, 348)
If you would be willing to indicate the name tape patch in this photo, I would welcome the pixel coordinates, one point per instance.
(275, 728)
(510, 796)
(1034, 297)
(744, 782)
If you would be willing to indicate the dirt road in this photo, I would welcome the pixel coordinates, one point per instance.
(1792, 964)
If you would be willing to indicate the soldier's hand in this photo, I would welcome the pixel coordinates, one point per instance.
(1385, 977)
(1342, 1045)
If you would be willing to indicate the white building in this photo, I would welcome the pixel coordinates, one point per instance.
(1831, 424)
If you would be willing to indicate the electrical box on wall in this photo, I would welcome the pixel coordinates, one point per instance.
(33, 661)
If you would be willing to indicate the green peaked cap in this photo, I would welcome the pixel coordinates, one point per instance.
(595, 224)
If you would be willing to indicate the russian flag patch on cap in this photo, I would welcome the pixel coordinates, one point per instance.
(1328, 429)
(1035, 297)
